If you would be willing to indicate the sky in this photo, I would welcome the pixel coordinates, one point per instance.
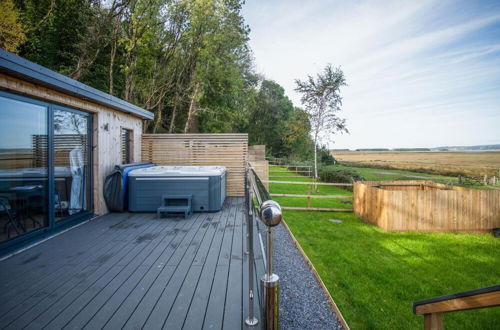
(420, 73)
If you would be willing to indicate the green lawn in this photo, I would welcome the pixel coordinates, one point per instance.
(374, 276)
(301, 189)
(315, 202)
(282, 174)
(284, 188)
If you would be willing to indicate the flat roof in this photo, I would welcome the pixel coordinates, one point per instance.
(20, 67)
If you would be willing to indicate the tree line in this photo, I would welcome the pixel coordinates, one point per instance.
(189, 62)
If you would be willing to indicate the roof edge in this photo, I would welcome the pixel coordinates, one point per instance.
(21, 67)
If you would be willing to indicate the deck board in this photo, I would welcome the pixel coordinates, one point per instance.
(132, 270)
(194, 319)
(233, 307)
(61, 305)
(60, 283)
(177, 313)
(40, 258)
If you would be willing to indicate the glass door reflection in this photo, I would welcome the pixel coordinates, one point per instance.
(71, 163)
(23, 168)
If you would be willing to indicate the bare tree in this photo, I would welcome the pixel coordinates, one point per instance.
(322, 101)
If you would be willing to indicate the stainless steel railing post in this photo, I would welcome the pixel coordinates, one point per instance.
(251, 320)
(270, 290)
(270, 214)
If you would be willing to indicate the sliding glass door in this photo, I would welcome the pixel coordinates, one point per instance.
(23, 170)
(45, 172)
(71, 163)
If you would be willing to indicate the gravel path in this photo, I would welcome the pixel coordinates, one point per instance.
(303, 304)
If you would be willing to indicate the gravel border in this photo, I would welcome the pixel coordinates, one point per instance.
(303, 303)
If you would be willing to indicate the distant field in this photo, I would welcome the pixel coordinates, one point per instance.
(473, 164)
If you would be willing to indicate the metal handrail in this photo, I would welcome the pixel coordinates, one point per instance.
(258, 187)
(269, 212)
(251, 320)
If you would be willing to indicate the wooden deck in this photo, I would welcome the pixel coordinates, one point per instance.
(133, 271)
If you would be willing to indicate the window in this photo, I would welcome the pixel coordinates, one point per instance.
(126, 145)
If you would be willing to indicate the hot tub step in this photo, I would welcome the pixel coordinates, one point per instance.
(176, 204)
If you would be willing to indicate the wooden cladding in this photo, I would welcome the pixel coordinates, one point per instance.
(425, 206)
(229, 150)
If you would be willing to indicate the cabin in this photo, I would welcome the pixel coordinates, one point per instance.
(58, 140)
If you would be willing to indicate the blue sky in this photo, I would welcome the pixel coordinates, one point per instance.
(420, 73)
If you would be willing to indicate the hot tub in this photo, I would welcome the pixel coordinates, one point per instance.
(207, 184)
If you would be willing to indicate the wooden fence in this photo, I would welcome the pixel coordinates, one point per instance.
(303, 171)
(229, 150)
(262, 169)
(309, 196)
(256, 153)
(434, 308)
(426, 206)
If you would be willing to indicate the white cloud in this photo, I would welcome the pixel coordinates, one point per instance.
(417, 75)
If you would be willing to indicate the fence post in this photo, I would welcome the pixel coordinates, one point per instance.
(308, 196)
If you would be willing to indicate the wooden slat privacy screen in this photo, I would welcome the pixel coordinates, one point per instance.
(262, 170)
(426, 206)
(229, 150)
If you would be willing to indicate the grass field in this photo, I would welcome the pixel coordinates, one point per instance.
(378, 174)
(374, 276)
(474, 164)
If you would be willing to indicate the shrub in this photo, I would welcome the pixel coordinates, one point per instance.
(339, 175)
(325, 157)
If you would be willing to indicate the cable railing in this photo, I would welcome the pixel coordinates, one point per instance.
(259, 203)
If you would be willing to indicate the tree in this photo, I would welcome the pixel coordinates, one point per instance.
(297, 140)
(276, 123)
(322, 101)
(11, 31)
(186, 61)
(54, 29)
(269, 118)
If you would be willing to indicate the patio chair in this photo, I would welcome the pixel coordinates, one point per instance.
(6, 209)
(60, 205)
